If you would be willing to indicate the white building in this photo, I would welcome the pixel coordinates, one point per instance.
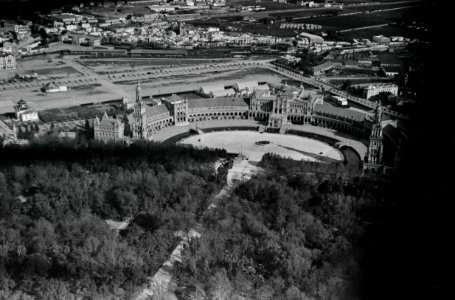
(222, 93)
(381, 39)
(340, 101)
(58, 89)
(373, 90)
(210, 90)
(25, 113)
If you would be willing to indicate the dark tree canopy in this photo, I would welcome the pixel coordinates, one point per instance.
(55, 197)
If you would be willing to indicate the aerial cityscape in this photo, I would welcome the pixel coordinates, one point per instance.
(211, 149)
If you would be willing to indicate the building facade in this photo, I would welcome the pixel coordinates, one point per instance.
(373, 90)
(108, 129)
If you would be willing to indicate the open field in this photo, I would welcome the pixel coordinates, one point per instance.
(182, 83)
(107, 65)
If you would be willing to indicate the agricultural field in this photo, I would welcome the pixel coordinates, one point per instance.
(373, 8)
(389, 30)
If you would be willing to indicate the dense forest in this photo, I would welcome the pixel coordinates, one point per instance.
(55, 198)
(286, 234)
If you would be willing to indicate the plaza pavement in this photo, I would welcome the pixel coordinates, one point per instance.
(358, 145)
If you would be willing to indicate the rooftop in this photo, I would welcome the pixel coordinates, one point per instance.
(173, 99)
(156, 109)
(338, 111)
(216, 102)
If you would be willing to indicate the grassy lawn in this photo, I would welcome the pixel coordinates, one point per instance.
(56, 71)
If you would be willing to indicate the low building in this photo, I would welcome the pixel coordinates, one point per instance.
(53, 88)
(25, 113)
(209, 90)
(340, 101)
(381, 39)
(246, 87)
(320, 69)
(373, 90)
(127, 104)
(9, 48)
(7, 61)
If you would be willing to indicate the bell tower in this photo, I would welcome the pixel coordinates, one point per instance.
(140, 120)
(373, 157)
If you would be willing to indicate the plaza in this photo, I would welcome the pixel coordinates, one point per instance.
(245, 142)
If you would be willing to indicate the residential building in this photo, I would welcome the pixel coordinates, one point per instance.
(25, 113)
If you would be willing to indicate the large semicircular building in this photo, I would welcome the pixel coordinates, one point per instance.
(278, 109)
